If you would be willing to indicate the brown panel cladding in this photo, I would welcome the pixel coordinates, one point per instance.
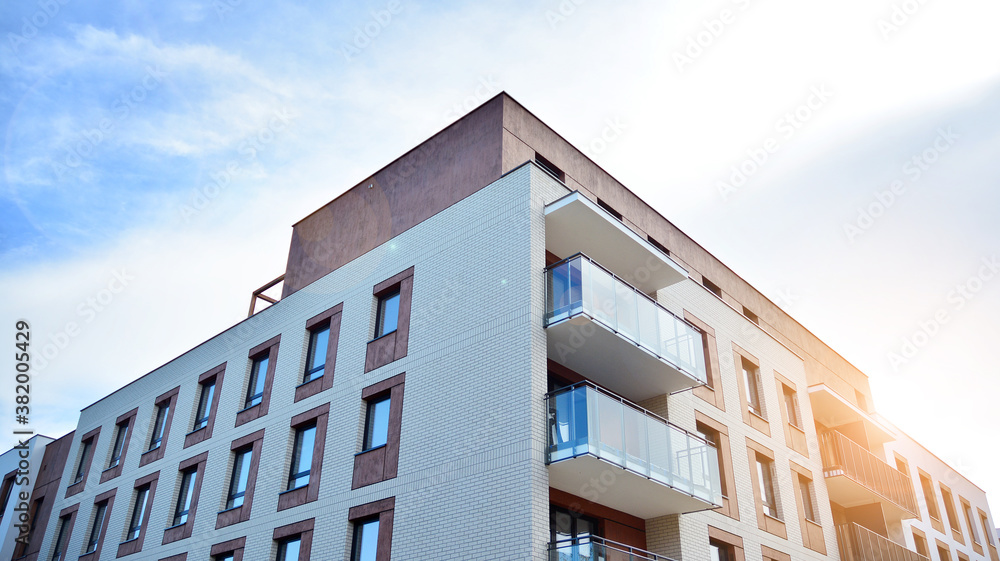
(392, 346)
(616, 525)
(451, 165)
(43, 494)
(310, 492)
(382, 463)
(329, 318)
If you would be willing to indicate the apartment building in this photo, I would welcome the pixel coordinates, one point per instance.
(491, 349)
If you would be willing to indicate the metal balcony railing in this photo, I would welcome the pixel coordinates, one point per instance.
(593, 548)
(586, 420)
(858, 543)
(578, 285)
(843, 456)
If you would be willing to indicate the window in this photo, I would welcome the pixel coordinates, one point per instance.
(240, 477)
(929, 497)
(791, 406)
(658, 245)
(159, 425)
(377, 423)
(96, 527)
(712, 287)
(808, 509)
(969, 520)
(717, 434)
(371, 522)
(387, 319)
(379, 456)
(365, 545)
(316, 356)
(724, 546)
(765, 479)
(209, 386)
(712, 390)
(751, 316)
(99, 523)
(85, 456)
(604, 204)
(288, 550)
(205, 399)
(62, 536)
(321, 353)
(949, 508)
(721, 551)
(987, 529)
(255, 388)
(549, 167)
(190, 475)
(294, 541)
(805, 487)
(231, 550)
(5, 492)
(121, 433)
(392, 299)
(138, 513)
(302, 456)
(920, 543)
(258, 389)
(189, 478)
(750, 376)
(308, 445)
(242, 480)
(943, 554)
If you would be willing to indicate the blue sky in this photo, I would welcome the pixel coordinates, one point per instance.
(173, 147)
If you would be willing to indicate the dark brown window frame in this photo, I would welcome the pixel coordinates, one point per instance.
(135, 545)
(330, 318)
(382, 463)
(242, 513)
(812, 530)
(94, 437)
(712, 391)
(795, 434)
(392, 346)
(309, 493)
(232, 546)
(734, 542)
(730, 505)
(183, 531)
(178, 557)
(269, 347)
(204, 433)
(170, 398)
(766, 522)
(112, 472)
(384, 509)
(756, 420)
(108, 496)
(304, 530)
(69, 511)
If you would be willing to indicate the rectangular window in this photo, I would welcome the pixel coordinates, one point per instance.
(721, 551)
(319, 340)
(549, 167)
(970, 520)
(97, 527)
(943, 554)
(255, 387)
(791, 406)
(84, 461)
(138, 513)
(805, 487)
(929, 497)
(714, 437)
(604, 204)
(183, 508)
(231, 550)
(240, 477)
(294, 540)
(302, 457)
(712, 287)
(987, 529)
(751, 376)
(5, 492)
(920, 543)
(62, 536)
(765, 479)
(288, 549)
(750, 315)
(365, 547)
(658, 245)
(121, 434)
(949, 508)
(159, 425)
(387, 319)
(205, 399)
(377, 423)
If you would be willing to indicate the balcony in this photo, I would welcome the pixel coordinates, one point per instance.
(855, 477)
(617, 454)
(858, 543)
(612, 333)
(593, 548)
(831, 409)
(574, 224)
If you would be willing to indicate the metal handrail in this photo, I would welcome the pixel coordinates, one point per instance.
(841, 453)
(630, 404)
(633, 552)
(858, 543)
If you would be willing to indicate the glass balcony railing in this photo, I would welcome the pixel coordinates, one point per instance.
(858, 543)
(843, 456)
(593, 548)
(577, 285)
(586, 420)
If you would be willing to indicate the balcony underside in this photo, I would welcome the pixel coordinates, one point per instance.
(610, 360)
(612, 486)
(832, 410)
(574, 224)
(849, 493)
